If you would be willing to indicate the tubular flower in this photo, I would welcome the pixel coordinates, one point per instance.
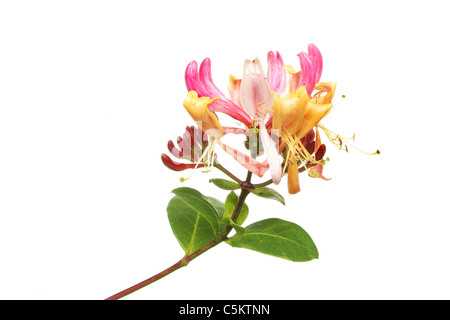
(299, 112)
(201, 82)
(283, 122)
(191, 147)
(206, 120)
(250, 103)
(256, 98)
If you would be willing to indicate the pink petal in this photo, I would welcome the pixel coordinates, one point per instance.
(174, 150)
(207, 82)
(223, 105)
(246, 161)
(193, 81)
(256, 95)
(202, 83)
(271, 152)
(308, 74)
(234, 130)
(276, 75)
(316, 56)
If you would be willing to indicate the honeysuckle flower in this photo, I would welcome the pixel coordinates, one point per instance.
(206, 120)
(250, 96)
(281, 126)
(319, 152)
(298, 112)
(201, 82)
(250, 103)
(259, 102)
(256, 97)
(191, 147)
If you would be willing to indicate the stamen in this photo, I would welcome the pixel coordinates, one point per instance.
(296, 147)
(207, 158)
(259, 114)
(338, 141)
(343, 97)
(288, 158)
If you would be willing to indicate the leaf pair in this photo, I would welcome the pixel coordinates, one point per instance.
(196, 220)
(193, 219)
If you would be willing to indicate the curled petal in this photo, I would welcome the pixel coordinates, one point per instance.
(174, 150)
(190, 146)
(234, 130)
(329, 88)
(176, 166)
(256, 167)
(276, 75)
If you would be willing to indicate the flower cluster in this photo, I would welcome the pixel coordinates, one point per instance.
(281, 108)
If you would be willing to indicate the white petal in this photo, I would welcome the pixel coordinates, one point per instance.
(271, 153)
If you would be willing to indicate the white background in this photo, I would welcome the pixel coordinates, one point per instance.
(91, 91)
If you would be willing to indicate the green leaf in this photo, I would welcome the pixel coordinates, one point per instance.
(276, 237)
(201, 204)
(225, 184)
(230, 205)
(193, 219)
(268, 193)
(220, 209)
(218, 206)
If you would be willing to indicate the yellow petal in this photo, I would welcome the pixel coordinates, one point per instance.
(313, 114)
(277, 110)
(289, 69)
(205, 119)
(329, 88)
(293, 179)
(288, 111)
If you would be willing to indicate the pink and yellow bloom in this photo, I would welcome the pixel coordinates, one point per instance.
(260, 102)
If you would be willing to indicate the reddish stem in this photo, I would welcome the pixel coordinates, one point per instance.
(183, 262)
